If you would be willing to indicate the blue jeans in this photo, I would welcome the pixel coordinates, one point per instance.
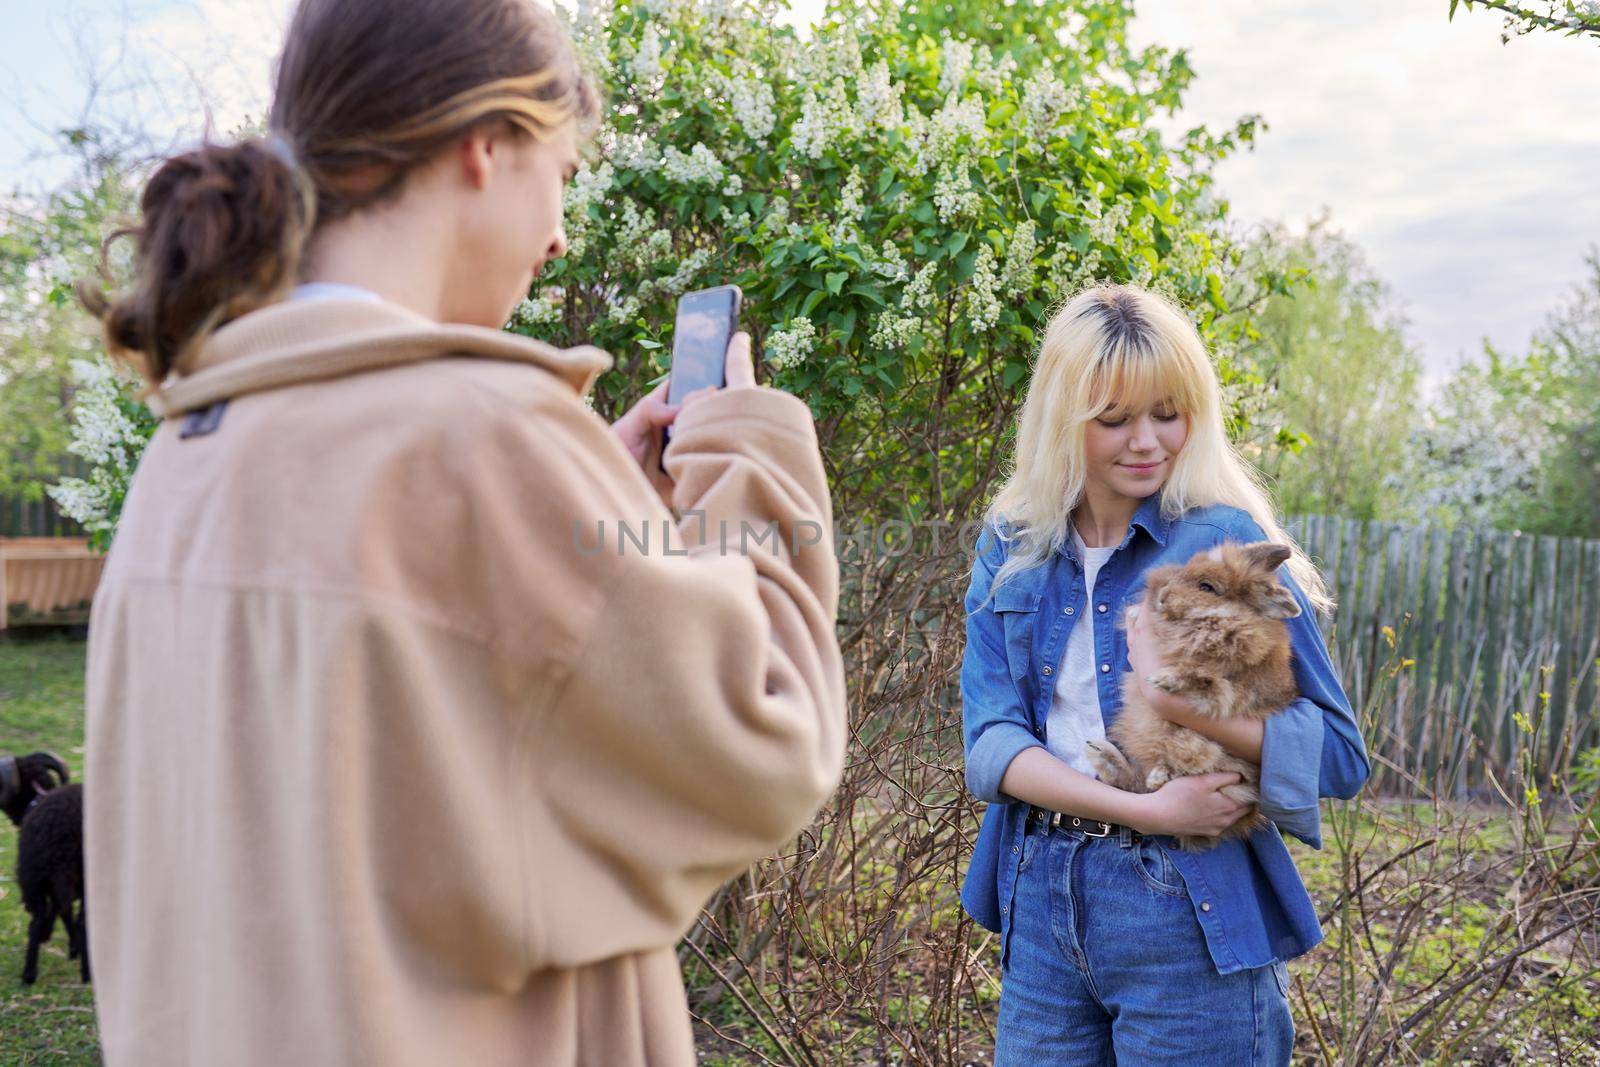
(1107, 964)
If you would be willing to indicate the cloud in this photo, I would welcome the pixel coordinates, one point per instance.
(1465, 168)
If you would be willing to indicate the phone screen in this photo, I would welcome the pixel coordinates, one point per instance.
(700, 340)
(706, 321)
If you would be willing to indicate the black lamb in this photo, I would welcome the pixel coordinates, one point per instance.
(37, 794)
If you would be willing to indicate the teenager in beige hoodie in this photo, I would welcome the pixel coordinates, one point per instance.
(387, 762)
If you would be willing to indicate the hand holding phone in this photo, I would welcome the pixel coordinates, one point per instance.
(707, 320)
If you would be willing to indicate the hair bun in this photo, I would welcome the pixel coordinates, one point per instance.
(222, 234)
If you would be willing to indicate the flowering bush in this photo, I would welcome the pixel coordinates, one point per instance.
(902, 210)
(903, 198)
(109, 432)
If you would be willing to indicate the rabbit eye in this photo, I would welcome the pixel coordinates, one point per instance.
(1207, 587)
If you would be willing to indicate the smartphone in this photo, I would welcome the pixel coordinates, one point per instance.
(707, 320)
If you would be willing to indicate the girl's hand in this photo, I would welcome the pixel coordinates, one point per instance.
(1189, 805)
(1145, 659)
(640, 429)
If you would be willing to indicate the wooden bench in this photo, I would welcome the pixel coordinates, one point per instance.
(47, 581)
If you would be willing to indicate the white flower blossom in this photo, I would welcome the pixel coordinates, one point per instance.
(955, 58)
(1017, 274)
(822, 120)
(752, 103)
(645, 66)
(588, 186)
(1044, 99)
(635, 151)
(878, 98)
(959, 119)
(105, 437)
(890, 264)
(919, 292)
(699, 166)
(790, 346)
(777, 214)
(623, 310)
(989, 75)
(678, 283)
(847, 222)
(1107, 228)
(738, 224)
(983, 299)
(954, 195)
(893, 331)
(543, 310)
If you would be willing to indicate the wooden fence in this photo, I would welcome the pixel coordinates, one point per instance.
(1447, 629)
(35, 518)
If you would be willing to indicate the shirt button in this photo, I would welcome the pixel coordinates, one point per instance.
(1069, 611)
(1047, 670)
(1103, 609)
(1105, 668)
(1004, 909)
(1205, 905)
(1014, 850)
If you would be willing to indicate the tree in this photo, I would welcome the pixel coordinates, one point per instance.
(1515, 440)
(1344, 377)
(902, 203)
(1567, 500)
(46, 243)
(1571, 18)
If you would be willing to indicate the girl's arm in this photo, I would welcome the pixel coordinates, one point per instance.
(1188, 805)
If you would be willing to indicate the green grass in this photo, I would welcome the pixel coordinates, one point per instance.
(41, 707)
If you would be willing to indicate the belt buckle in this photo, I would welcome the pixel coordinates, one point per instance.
(1081, 824)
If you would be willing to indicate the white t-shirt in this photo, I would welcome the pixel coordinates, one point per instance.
(1075, 706)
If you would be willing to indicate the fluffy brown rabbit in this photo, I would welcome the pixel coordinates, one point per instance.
(1218, 620)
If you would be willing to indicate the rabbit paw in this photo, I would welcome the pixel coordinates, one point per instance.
(1109, 764)
(1166, 681)
(1159, 776)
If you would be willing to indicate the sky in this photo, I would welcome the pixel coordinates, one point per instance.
(1466, 170)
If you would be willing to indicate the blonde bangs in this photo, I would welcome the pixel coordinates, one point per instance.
(1129, 376)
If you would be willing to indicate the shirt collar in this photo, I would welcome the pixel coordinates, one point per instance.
(1150, 517)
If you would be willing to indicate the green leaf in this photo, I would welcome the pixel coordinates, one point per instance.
(836, 280)
(645, 342)
(847, 323)
(868, 292)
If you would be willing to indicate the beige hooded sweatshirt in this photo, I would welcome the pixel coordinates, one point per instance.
(390, 759)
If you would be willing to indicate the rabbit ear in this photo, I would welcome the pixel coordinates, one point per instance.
(1267, 555)
(1280, 603)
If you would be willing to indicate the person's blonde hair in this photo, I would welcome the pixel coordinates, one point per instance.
(1108, 347)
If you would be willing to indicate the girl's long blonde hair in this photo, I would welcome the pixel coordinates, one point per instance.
(1112, 345)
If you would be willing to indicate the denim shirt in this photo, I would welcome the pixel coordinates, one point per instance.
(1246, 893)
